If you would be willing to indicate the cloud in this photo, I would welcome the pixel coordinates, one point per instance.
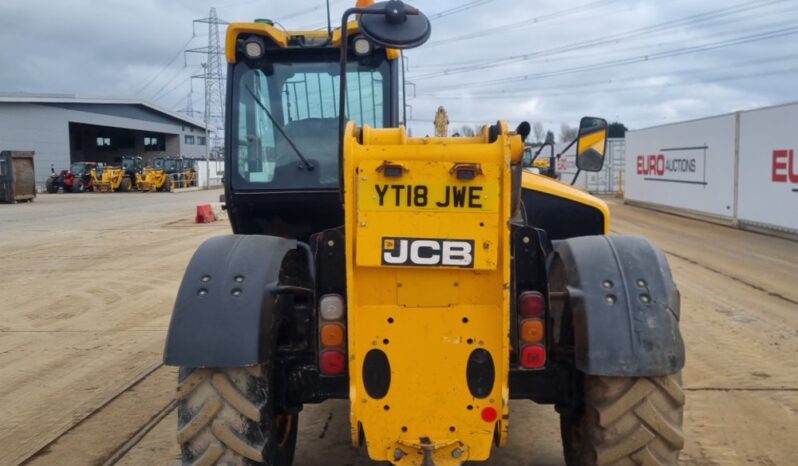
(115, 47)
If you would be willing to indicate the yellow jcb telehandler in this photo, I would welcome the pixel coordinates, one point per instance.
(155, 177)
(428, 281)
(109, 178)
(123, 177)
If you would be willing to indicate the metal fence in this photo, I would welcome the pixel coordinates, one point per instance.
(610, 179)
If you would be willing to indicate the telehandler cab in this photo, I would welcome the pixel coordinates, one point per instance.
(426, 280)
(133, 166)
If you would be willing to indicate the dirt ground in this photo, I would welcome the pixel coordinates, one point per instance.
(87, 283)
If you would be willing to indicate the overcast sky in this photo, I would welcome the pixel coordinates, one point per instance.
(642, 62)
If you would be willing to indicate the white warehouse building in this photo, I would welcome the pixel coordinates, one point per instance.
(62, 129)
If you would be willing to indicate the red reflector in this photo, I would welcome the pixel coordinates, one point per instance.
(333, 362)
(533, 356)
(531, 304)
(489, 414)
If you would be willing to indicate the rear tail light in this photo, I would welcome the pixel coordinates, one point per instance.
(532, 331)
(531, 304)
(533, 356)
(331, 307)
(333, 362)
(332, 335)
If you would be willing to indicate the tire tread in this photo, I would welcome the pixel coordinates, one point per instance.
(231, 395)
(627, 421)
(214, 416)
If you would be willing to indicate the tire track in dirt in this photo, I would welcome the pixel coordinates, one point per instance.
(85, 309)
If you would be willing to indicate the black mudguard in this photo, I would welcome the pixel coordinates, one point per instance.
(621, 305)
(225, 312)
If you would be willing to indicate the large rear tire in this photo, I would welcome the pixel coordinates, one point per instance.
(50, 186)
(226, 417)
(78, 186)
(124, 185)
(626, 421)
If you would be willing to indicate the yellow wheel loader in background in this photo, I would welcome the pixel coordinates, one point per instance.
(155, 177)
(428, 281)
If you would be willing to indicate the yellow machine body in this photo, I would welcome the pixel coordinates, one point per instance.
(428, 314)
(188, 178)
(110, 180)
(546, 185)
(153, 179)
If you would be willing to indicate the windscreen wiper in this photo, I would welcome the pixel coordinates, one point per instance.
(279, 127)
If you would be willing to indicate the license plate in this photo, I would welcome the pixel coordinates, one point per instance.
(463, 197)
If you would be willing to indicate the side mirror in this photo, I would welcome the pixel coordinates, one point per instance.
(591, 144)
(395, 25)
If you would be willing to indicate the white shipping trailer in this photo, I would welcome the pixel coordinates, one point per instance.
(740, 168)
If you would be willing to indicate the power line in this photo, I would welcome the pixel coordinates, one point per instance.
(609, 39)
(458, 9)
(308, 10)
(591, 84)
(289, 15)
(166, 66)
(176, 87)
(649, 41)
(529, 22)
(435, 16)
(168, 83)
(607, 90)
(633, 60)
(758, 74)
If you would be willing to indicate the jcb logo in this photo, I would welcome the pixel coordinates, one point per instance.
(428, 252)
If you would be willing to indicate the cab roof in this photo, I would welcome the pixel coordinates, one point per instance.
(286, 39)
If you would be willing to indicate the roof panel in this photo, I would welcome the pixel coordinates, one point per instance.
(112, 106)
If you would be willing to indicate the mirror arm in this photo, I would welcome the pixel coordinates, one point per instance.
(578, 171)
(569, 145)
(342, 91)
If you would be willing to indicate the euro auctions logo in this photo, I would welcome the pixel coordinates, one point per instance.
(658, 165)
(675, 165)
(785, 167)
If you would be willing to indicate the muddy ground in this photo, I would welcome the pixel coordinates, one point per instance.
(87, 283)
